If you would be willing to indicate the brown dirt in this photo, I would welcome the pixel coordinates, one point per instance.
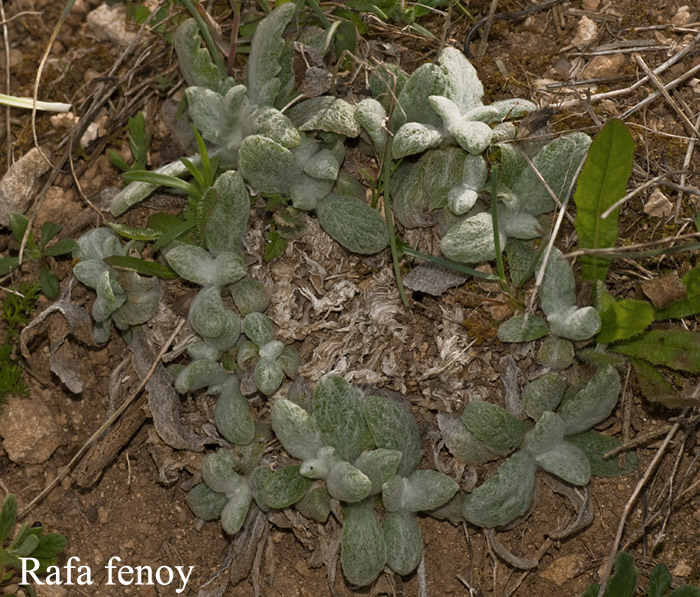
(133, 514)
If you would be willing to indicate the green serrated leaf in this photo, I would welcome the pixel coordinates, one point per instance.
(677, 349)
(134, 233)
(656, 388)
(50, 545)
(8, 515)
(601, 183)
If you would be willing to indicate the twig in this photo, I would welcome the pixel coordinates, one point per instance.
(617, 251)
(667, 96)
(117, 413)
(8, 85)
(657, 71)
(630, 503)
(686, 165)
(487, 29)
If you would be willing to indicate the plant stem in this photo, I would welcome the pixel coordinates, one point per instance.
(319, 13)
(386, 186)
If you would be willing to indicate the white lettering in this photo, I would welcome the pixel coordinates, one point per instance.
(148, 570)
(184, 578)
(25, 571)
(123, 571)
(110, 567)
(170, 575)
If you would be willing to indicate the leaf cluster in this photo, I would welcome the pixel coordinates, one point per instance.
(28, 542)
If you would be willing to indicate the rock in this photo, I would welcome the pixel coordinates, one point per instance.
(658, 205)
(564, 568)
(591, 5)
(29, 430)
(608, 65)
(58, 206)
(587, 31)
(109, 23)
(665, 290)
(682, 569)
(48, 590)
(18, 186)
(682, 17)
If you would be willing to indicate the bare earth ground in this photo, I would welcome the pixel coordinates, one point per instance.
(343, 313)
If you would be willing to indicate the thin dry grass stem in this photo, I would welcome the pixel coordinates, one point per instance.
(83, 196)
(8, 85)
(686, 165)
(638, 440)
(117, 413)
(653, 96)
(626, 414)
(680, 55)
(483, 43)
(633, 498)
(692, 129)
(669, 240)
(661, 534)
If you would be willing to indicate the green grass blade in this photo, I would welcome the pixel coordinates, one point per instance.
(8, 515)
(601, 183)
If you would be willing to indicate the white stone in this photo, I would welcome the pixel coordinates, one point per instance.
(20, 182)
(586, 32)
(658, 205)
(29, 430)
(109, 23)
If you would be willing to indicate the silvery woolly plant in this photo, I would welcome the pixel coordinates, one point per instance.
(297, 157)
(561, 442)
(361, 449)
(123, 297)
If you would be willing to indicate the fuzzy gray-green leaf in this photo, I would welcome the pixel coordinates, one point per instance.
(372, 116)
(505, 496)
(347, 483)
(285, 487)
(594, 445)
(235, 511)
(295, 429)
(413, 104)
(267, 165)
(404, 541)
(547, 433)
(380, 465)
(268, 376)
(494, 425)
(316, 503)
(338, 414)
(249, 295)
(206, 316)
(557, 163)
(522, 328)
(232, 415)
(352, 223)
(196, 64)
(463, 86)
(592, 404)
(393, 427)
(142, 298)
(228, 220)
(543, 394)
(567, 462)
(218, 472)
(200, 374)
(471, 241)
(415, 137)
(266, 50)
(326, 113)
(206, 503)
(258, 328)
(192, 263)
(423, 490)
(462, 443)
(363, 551)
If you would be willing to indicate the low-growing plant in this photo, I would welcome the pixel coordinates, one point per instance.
(17, 306)
(38, 252)
(561, 442)
(27, 542)
(624, 581)
(139, 143)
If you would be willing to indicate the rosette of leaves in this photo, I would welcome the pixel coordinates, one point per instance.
(226, 113)
(565, 319)
(561, 442)
(362, 448)
(440, 104)
(522, 197)
(232, 479)
(123, 297)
